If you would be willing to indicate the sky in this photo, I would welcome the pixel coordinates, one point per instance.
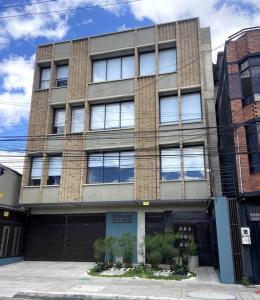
(23, 27)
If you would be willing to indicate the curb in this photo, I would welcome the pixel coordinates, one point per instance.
(57, 295)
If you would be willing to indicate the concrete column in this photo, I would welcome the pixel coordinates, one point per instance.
(141, 237)
(226, 265)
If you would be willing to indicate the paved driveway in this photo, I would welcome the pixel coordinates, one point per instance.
(70, 278)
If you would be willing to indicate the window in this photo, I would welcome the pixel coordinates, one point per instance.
(114, 69)
(112, 115)
(253, 146)
(62, 76)
(170, 164)
(77, 119)
(59, 121)
(111, 167)
(122, 217)
(147, 64)
(169, 109)
(54, 171)
(192, 159)
(45, 78)
(194, 166)
(167, 61)
(191, 107)
(36, 171)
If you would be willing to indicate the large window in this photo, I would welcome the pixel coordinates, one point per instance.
(194, 166)
(169, 109)
(112, 115)
(77, 119)
(190, 108)
(45, 78)
(192, 159)
(114, 69)
(62, 76)
(36, 171)
(167, 61)
(250, 79)
(147, 63)
(253, 146)
(111, 167)
(54, 170)
(59, 121)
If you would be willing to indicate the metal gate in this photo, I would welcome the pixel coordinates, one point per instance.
(255, 249)
(63, 237)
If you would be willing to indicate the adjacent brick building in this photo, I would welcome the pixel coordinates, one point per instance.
(118, 141)
(238, 115)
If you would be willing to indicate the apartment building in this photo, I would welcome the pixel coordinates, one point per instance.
(119, 141)
(238, 114)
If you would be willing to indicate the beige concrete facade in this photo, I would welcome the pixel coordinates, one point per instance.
(194, 73)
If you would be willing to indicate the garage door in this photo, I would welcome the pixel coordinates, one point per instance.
(63, 237)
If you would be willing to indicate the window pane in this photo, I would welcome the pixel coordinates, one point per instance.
(112, 115)
(54, 171)
(128, 67)
(111, 167)
(127, 166)
(167, 61)
(127, 114)
(170, 164)
(62, 76)
(59, 120)
(169, 109)
(191, 107)
(98, 117)
(95, 168)
(193, 158)
(99, 71)
(45, 78)
(114, 69)
(77, 119)
(36, 172)
(147, 64)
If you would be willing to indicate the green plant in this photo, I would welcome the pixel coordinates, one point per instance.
(181, 269)
(110, 245)
(192, 248)
(98, 267)
(155, 258)
(118, 265)
(99, 250)
(125, 247)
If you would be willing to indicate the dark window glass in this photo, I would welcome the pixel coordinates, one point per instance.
(111, 167)
(247, 86)
(253, 146)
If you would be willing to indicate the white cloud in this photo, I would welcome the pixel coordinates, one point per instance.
(224, 19)
(123, 27)
(15, 91)
(13, 160)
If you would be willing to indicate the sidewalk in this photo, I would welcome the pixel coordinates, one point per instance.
(68, 280)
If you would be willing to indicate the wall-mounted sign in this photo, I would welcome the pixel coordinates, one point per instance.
(245, 234)
(6, 214)
(146, 203)
(1, 195)
(255, 217)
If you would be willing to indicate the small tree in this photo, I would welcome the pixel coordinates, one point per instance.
(155, 258)
(125, 247)
(192, 248)
(110, 246)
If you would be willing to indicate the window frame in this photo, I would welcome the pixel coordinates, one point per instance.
(165, 49)
(106, 61)
(71, 118)
(160, 110)
(53, 120)
(41, 81)
(31, 181)
(139, 60)
(181, 159)
(62, 79)
(48, 177)
(120, 115)
(103, 167)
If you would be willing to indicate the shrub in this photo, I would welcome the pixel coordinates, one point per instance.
(110, 249)
(125, 247)
(192, 248)
(118, 265)
(99, 250)
(99, 267)
(154, 258)
(181, 269)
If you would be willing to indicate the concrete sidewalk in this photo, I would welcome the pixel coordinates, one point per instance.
(68, 280)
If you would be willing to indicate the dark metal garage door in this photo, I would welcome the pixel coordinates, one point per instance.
(63, 237)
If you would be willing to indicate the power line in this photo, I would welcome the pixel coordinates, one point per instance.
(26, 4)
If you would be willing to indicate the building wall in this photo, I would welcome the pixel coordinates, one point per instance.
(194, 74)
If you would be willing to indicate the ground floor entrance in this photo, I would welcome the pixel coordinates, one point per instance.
(63, 237)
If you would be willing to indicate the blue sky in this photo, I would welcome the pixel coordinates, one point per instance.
(20, 36)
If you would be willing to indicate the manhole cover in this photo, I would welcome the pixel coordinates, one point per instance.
(211, 295)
